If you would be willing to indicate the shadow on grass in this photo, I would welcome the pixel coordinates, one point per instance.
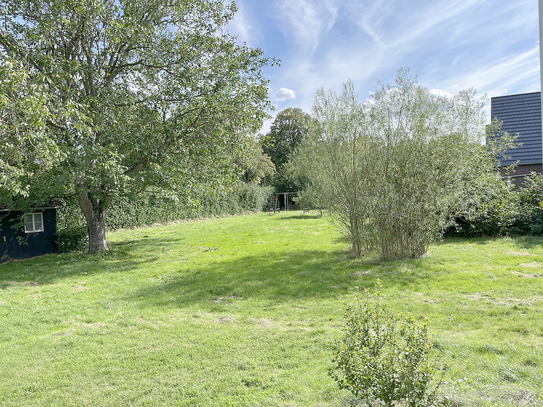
(526, 242)
(483, 240)
(124, 257)
(298, 215)
(273, 276)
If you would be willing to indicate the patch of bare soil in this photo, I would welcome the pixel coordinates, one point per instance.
(221, 299)
(266, 323)
(520, 254)
(227, 319)
(362, 273)
(532, 265)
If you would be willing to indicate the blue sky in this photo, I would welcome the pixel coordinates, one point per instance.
(492, 45)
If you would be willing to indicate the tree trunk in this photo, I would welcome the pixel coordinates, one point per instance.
(95, 215)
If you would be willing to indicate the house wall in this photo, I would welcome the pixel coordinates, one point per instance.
(541, 53)
(38, 243)
(517, 174)
(520, 114)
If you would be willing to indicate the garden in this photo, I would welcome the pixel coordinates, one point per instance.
(413, 275)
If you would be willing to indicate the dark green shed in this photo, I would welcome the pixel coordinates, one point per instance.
(35, 238)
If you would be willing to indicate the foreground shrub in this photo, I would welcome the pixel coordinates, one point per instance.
(385, 358)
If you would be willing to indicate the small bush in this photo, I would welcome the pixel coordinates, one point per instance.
(385, 358)
(72, 239)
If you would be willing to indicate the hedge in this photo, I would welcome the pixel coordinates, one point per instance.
(151, 208)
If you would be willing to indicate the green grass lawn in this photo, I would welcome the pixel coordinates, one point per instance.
(240, 311)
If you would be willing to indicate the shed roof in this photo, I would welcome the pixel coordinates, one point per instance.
(521, 114)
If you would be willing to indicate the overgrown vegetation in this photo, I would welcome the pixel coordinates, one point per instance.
(500, 209)
(393, 169)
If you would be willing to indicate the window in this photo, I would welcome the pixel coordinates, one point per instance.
(34, 222)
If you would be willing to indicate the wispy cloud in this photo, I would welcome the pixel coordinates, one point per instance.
(451, 44)
(441, 15)
(502, 74)
(241, 25)
(305, 21)
(370, 17)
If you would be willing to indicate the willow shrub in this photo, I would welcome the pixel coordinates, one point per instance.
(393, 170)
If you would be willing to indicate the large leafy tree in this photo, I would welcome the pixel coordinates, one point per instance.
(258, 167)
(125, 95)
(289, 128)
(287, 131)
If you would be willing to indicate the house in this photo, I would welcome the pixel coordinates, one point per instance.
(25, 235)
(521, 114)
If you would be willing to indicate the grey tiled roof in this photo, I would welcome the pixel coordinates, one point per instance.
(521, 114)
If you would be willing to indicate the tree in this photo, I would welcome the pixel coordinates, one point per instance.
(258, 167)
(394, 169)
(287, 131)
(137, 94)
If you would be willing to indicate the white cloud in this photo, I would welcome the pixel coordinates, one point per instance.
(450, 44)
(284, 94)
(441, 93)
(370, 17)
(438, 17)
(502, 74)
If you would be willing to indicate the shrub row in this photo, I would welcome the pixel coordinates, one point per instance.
(504, 211)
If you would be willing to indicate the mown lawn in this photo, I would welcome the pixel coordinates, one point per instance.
(240, 311)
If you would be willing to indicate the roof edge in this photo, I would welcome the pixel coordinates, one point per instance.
(516, 94)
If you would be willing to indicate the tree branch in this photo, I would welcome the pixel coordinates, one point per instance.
(57, 126)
